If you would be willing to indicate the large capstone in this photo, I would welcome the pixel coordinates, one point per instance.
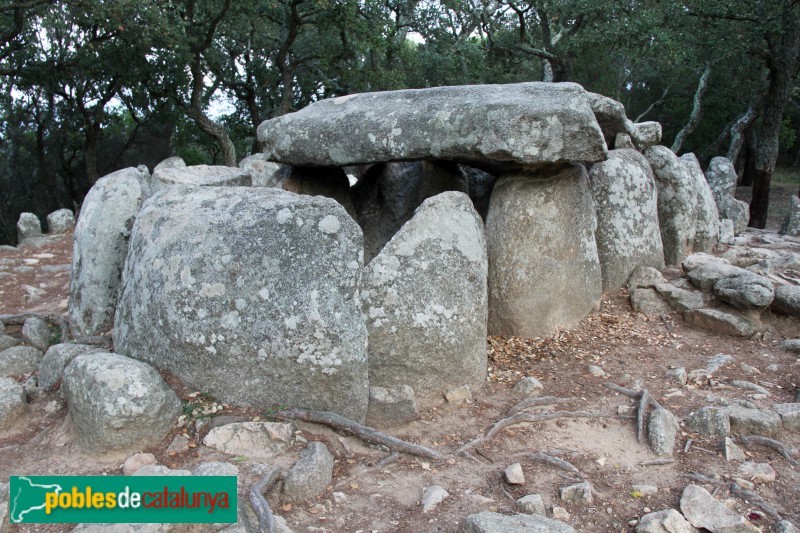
(528, 123)
(100, 246)
(116, 403)
(249, 294)
(676, 203)
(706, 220)
(426, 329)
(544, 272)
(627, 216)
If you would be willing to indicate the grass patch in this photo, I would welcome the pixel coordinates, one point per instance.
(786, 176)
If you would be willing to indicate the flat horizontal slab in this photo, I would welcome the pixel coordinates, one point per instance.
(524, 123)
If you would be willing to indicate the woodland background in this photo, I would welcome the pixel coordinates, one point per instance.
(91, 86)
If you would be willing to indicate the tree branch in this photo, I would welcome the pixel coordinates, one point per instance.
(694, 117)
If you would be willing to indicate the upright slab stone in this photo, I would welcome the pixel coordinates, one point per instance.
(248, 294)
(428, 329)
(100, 246)
(202, 176)
(60, 221)
(387, 195)
(28, 226)
(722, 179)
(676, 203)
(329, 182)
(706, 222)
(544, 271)
(627, 234)
(264, 172)
(528, 123)
(791, 224)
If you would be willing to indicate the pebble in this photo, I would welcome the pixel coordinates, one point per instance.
(458, 394)
(514, 475)
(433, 496)
(559, 513)
(528, 386)
(597, 371)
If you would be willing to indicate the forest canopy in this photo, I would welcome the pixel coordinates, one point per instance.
(91, 86)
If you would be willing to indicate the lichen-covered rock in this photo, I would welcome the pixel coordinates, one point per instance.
(722, 179)
(100, 246)
(703, 511)
(528, 123)
(316, 181)
(170, 162)
(28, 227)
(540, 233)
(791, 224)
(19, 360)
(253, 439)
(37, 333)
(12, 402)
(662, 431)
(426, 330)
(706, 223)
(249, 294)
(387, 195)
(310, 475)
(789, 413)
(627, 233)
(667, 521)
(727, 231)
(264, 173)
(52, 365)
(391, 407)
(787, 300)
(749, 421)
(705, 277)
(116, 403)
(648, 134)
(745, 291)
(681, 299)
(676, 203)
(723, 322)
(201, 176)
(60, 221)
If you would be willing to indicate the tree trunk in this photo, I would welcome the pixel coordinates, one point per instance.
(218, 132)
(750, 151)
(694, 117)
(739, 127)
(90, 153)
(782, 64)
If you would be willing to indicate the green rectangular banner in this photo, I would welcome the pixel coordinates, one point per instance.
(122, 499)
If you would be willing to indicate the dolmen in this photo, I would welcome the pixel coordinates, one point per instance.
(379, 238)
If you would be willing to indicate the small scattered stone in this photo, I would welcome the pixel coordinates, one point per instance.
(579, 494)
(761, 473)
(789, 413)
(136, 461)
(597, 371)
(215, 468)
(160, 470)
(310, 475)
(667, 521)
(391, 407)
(677, 375)
(531, 504)
(251, 439)
(458, 394)
(317, 508)
(703, 511)
(662, 431)
(560, 513)
(731, 451)
(528, 386)
(514, 475)
(19, 360)
(645, 490)
(179, 444)
(748, 421)
(710, 421)
(489, 522)
(433, 496)
(746, 484)
(12, 402)
(340, 498)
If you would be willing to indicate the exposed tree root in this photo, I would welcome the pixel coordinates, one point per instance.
(266, 522)
(553, 461)
(536, 402)
(781, 448)
(641, 416)
(361, 431)
(657, 462)
(527, 417)
(751, 496)
(98, 340)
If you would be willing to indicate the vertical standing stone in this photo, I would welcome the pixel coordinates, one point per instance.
(544, 271)
(425, 301)
(676, 203)
(100, 247)
(706, 220)
(627, 234)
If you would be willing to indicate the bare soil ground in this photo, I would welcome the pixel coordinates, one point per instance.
(633, 350)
